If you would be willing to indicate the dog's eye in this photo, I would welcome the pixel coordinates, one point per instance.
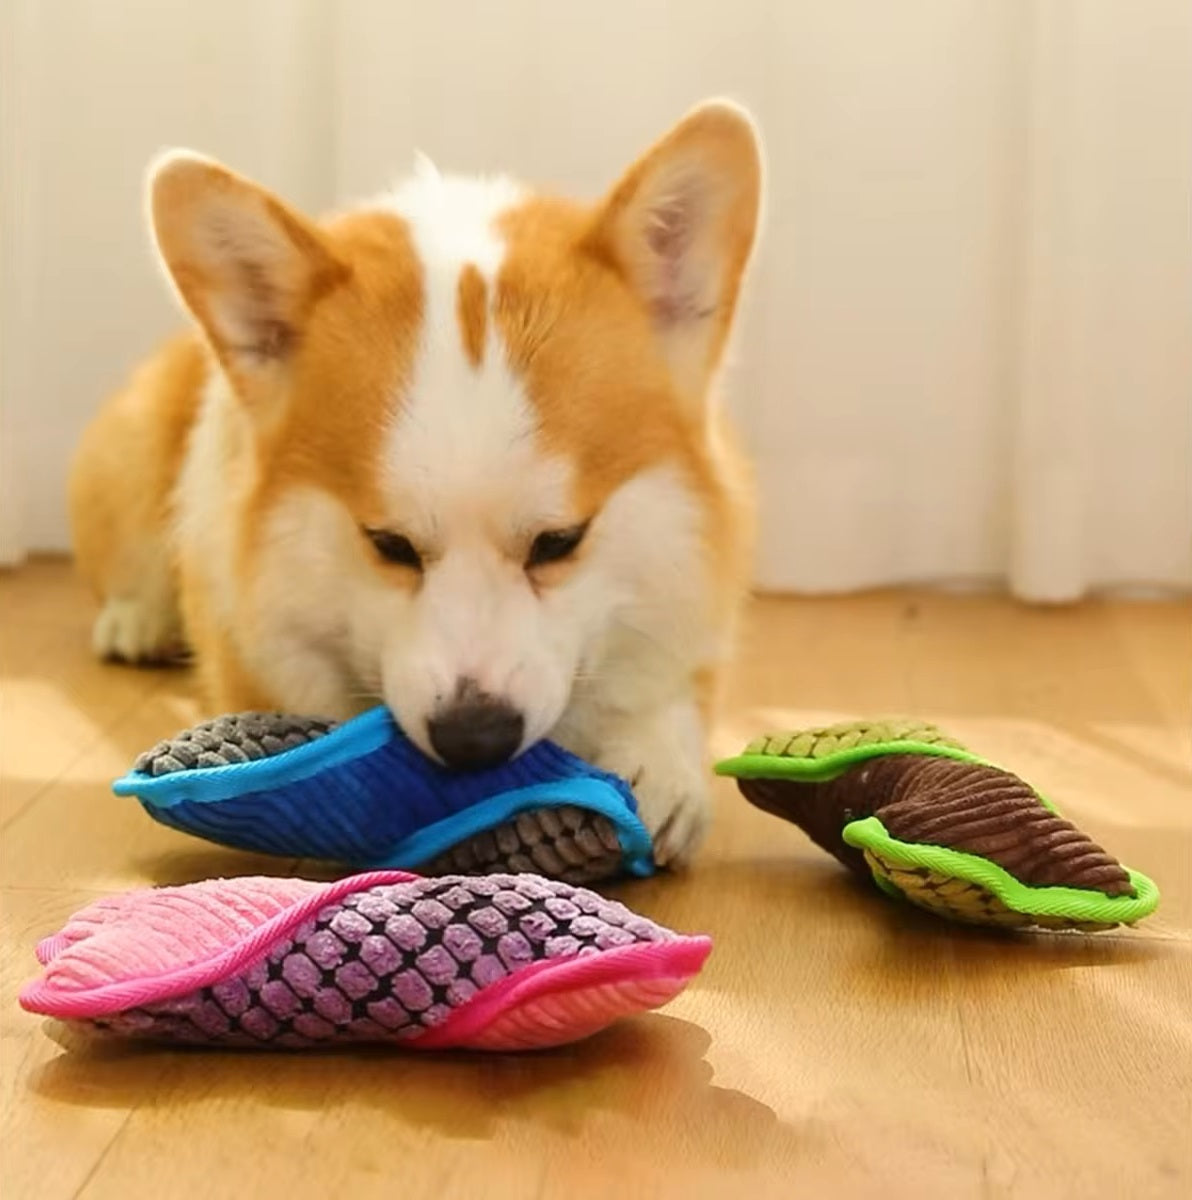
(555, 545)
(394, 548)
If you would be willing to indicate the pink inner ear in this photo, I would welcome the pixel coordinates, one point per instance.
(667, 237)
(675, 286)
(670, 225)
(162, 929)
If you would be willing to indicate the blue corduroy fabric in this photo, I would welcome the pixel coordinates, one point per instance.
(364, 795)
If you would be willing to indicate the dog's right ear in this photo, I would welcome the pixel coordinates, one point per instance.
(249, 268)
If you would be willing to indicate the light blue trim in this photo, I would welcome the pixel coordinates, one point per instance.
(207, 785)
(592, 794)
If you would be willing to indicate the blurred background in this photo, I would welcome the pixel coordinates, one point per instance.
(966, 353)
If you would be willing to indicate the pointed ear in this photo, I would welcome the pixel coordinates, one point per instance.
(680, 226)
(247, 267)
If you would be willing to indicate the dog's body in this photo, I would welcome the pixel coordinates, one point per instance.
(455, 450)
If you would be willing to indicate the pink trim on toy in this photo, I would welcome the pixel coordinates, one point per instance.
(555, 1020)
(53, 995)
(650, 973)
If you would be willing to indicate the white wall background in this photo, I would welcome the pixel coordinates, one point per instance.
(967, 353)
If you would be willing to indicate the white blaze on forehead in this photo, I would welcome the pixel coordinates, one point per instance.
(453, 220)
(463, 444)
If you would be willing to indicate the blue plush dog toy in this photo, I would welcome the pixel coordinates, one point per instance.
(362, 794)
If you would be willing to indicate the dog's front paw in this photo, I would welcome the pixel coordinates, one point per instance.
(137, 630)
(661, 752)
(677, 810)
(672, 800)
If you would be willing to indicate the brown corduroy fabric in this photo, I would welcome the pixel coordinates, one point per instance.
(821, 810)
(944, 802)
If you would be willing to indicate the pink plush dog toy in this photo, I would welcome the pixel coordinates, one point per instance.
(492, 962)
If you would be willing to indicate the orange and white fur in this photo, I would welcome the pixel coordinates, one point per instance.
(457, 449)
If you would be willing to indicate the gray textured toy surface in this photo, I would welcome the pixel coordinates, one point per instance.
(236, 738)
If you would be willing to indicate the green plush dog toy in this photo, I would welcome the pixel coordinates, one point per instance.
(937, 825)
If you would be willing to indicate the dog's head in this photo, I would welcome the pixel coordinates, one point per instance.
(474, 418)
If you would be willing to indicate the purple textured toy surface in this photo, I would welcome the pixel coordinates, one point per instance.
(496, 962)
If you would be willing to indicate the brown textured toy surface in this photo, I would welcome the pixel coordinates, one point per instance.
(566, 843)
(821, 810)
(928, 800)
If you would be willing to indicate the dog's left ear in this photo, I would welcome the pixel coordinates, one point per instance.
(680, 226)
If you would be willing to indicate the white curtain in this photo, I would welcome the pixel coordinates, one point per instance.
(967, 352)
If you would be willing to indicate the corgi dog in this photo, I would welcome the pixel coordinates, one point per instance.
(457, 450)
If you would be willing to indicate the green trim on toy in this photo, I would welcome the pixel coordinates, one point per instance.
(805, 769)
(1074, 903)
(823, 741)
(752, 765)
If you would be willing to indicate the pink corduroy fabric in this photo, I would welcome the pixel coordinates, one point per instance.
(148, 932)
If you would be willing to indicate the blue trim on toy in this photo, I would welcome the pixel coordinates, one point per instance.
(364, 794)
(594, 795)
(204, 785)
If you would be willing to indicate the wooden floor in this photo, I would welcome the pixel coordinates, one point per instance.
(837, 1044)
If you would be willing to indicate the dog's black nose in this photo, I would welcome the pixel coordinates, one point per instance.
(476, 731)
